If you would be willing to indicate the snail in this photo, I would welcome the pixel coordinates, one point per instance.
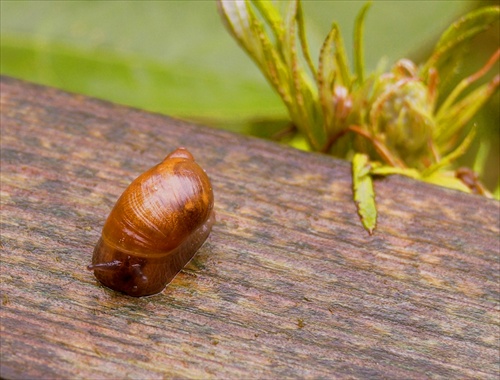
(155, 227)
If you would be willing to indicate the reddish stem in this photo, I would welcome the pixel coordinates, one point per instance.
(378, 145)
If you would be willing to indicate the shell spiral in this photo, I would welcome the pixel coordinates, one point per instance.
(155, 227)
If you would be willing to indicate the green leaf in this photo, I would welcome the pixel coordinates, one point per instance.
(452, 115)
(449, 50)
(333, 69)
(303, 39)
(460, 113)
(359, 52)
(450, 157)
(245, 28)
(364, 196)
(305, 96)
(278, 61)
(326, 78)
(391, 170)
(341, 60)
(250, 33)
(272, 17)
(447, 179)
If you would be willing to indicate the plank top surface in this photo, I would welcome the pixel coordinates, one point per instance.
(287, 285)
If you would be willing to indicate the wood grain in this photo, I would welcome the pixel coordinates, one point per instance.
(288, 285)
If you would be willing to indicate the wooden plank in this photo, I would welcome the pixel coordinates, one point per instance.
(288, 284)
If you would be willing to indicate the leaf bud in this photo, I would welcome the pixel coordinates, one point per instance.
(401, 113)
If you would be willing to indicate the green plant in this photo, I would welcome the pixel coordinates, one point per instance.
(396, 122)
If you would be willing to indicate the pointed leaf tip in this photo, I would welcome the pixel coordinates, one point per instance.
(364, 195)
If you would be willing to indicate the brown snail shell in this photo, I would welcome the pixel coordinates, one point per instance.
(155, 227)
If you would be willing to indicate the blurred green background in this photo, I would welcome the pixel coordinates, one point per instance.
(176, 58)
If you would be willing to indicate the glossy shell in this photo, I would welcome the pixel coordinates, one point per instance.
(155, 227)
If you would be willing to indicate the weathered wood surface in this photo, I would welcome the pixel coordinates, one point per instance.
(288, 284)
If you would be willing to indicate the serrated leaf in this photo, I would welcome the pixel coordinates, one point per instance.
(341, 60)
(326, 78)
(364, 196)
(278, 60)
(333, 69)
(450, 47)
(468, 26)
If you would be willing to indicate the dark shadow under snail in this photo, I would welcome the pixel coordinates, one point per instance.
(155, 227)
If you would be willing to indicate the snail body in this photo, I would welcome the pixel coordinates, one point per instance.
(155, 227)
